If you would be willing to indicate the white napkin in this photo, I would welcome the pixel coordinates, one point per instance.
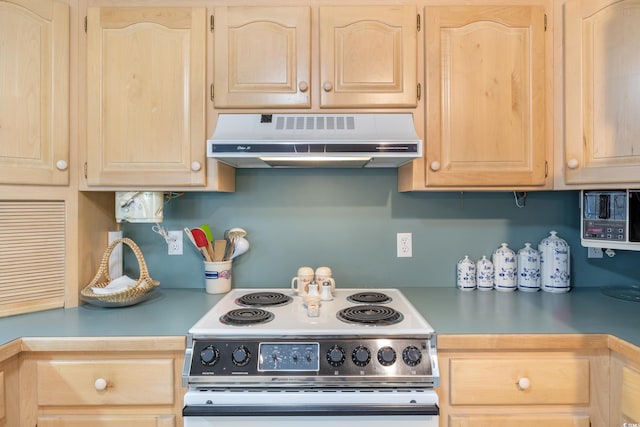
(116, 285)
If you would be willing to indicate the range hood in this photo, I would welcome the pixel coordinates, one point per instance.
(315, 140)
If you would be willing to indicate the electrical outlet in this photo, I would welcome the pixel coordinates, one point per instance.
(404, 245)
(175, 242)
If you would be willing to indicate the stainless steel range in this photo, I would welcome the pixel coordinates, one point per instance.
(367, 358)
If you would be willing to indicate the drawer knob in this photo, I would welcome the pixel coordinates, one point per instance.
(100, 384)
(524, 383)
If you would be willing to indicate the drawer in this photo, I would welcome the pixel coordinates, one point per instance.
(631, 394)
(523, 381)
(106, 421)
(533, 420)
(105, 382)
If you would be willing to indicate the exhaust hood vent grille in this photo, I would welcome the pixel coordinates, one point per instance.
(311, 123)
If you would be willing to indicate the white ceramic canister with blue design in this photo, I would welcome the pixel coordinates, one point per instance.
(466, 274)
(484, 274)
(554, 264)
(505, 269)
(528, 269)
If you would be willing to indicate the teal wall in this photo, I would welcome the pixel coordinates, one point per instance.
(348, 219)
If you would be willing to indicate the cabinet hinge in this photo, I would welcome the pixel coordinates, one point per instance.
(545, 22)
(418, 23)
(211, 92)
(419, 91)
(546, 169)
(85, 24)
(211, 23)
(85, 170)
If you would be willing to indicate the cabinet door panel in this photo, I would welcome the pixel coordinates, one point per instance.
(34, 83)
(602, 91)
(107, 421)
(146, 88)
(368, 56)
(533, 420)
(631, 395)
(262, 57)
(485, 102)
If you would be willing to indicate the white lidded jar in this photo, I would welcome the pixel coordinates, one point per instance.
(505, 269)
(466, 274)
(484, 274)
(528, 269)
(554, 264)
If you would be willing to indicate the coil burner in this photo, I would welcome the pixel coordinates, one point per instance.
(263, 299)
(376, 315)
(369, 298)
(246, 316)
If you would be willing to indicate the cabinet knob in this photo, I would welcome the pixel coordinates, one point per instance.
(303, 86)
(100, 384)
(62, 165)
(196, 166)
(524, 383)
(435, 166)
(327, 86)
(572, 163)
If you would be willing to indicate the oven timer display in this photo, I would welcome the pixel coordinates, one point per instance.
(288, 357)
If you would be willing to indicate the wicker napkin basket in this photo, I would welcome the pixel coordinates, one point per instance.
(143, 285)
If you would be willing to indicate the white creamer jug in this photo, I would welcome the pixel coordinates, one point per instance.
(554, 264)
(505, 269)
(484, 274)
(466, 274)
(528, 269)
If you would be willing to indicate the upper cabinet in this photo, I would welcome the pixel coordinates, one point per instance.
(262, 56)
(602, 92)
(485, 108)
(34, 83)
(146, 88)
(367, 57)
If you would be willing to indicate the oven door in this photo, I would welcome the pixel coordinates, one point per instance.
(314, 408)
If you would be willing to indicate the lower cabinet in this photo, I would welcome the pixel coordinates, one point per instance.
(119, 386)
(106, 421)
(625, 385)
(506, 385)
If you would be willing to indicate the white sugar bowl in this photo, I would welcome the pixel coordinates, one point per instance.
(528, 269)
(484, 274)
(505, 268)
(466, 274)
(554, 264)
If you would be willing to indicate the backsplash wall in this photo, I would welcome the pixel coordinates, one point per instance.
(348, 219)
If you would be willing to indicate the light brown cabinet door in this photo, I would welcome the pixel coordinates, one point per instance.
(146, 96)
(602, 91)
(368, 56)
(34, 88)
(485, 96)
(519, 420)
(262, 57)
(107, 421)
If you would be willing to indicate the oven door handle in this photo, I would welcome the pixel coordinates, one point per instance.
(311, 410)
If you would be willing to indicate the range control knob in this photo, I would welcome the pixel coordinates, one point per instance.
(335, 356)
(386, 356)
(209, 355)
(240, 356)
(361, 355)
(412, 355)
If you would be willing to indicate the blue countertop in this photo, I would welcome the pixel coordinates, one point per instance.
(171, 312)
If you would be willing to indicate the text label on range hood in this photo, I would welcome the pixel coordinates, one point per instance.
(315, 140)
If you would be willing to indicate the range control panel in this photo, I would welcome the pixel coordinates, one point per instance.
(325, 357)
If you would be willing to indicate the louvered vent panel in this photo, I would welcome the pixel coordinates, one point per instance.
(32, 254)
